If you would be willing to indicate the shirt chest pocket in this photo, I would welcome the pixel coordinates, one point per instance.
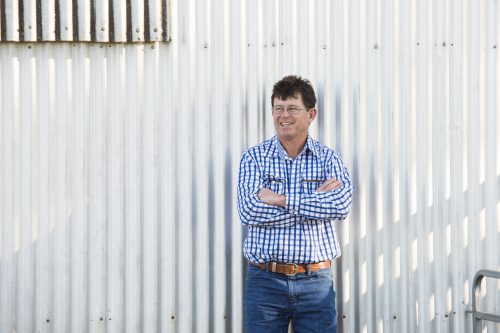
(274, 183)
(310, 185)
(312, 178)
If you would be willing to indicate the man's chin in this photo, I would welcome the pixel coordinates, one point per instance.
(285, 134)
(284, 137)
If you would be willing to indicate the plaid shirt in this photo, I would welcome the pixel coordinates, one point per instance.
(303, 231)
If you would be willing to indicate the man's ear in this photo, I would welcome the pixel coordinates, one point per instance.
(312, 114)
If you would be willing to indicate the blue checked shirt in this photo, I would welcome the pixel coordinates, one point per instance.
(303, 231)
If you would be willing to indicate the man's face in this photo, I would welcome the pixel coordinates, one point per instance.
(292, 126)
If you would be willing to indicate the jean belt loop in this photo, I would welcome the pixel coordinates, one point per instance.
(308, 269)
(267, 267)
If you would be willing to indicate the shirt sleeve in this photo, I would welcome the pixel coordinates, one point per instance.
(334, 204)
(251, 209)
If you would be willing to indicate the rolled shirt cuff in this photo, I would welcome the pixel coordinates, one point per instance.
(293, 203)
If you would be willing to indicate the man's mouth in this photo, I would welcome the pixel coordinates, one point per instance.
(285, 124)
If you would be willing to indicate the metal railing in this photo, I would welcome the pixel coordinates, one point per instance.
(477, 316)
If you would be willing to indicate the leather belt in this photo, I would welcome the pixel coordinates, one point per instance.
(292, 269)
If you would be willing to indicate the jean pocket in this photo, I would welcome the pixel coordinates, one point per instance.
(253, 271)
(325, 273)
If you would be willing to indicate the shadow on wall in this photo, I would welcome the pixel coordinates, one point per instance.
(404, 264)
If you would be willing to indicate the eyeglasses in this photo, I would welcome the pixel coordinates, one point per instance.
(290, 109)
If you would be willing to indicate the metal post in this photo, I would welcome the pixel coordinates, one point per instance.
(477, 316)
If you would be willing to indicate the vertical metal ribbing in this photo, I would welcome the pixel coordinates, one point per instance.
(3, 21)
(75, 20)
(50, 20)
(57, 17)
(39, 20)
(128, 16)
(111, 21)
(147, 33)
(164, 26)
(93, 32)
(21, 19)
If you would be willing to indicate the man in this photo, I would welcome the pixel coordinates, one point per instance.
(291, 189)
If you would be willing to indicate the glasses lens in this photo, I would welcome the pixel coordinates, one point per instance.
(291, 109)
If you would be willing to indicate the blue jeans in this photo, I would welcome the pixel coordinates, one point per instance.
(272, 300)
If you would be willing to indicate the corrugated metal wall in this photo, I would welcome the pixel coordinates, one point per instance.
(118, 164)
(84, 20)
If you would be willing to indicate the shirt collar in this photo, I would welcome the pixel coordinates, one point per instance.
(276, 149)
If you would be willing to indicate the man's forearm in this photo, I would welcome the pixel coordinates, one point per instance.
(272, 198)
(280, 200)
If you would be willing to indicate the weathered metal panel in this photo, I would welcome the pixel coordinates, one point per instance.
(118, 162)
(84, 20)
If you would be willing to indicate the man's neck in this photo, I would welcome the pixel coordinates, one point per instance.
(293, 147)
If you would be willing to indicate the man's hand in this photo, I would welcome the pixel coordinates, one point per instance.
(272, 198)
(330, 185)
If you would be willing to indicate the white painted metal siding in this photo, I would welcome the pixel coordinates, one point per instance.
(118, 164)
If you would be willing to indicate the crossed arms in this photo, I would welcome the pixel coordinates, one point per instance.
(258, 205)
(272, 198)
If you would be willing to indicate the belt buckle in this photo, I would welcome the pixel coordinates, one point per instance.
(295, 270)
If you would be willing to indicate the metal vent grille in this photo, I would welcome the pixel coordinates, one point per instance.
(84, 20)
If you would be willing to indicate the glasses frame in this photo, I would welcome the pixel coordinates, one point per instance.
(287, 108)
